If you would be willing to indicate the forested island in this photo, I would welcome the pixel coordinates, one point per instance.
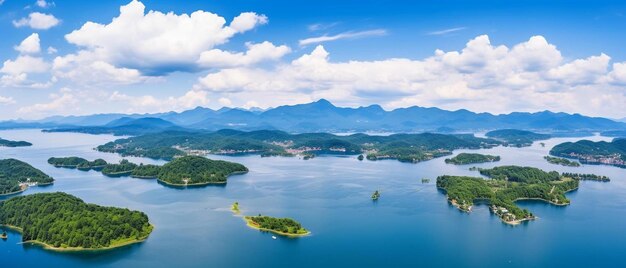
(590, 152)
(516, 137)
(182, 171)
(198, 170)
(59, 221)
(587, 177)
(403, 147)
(77, 162)
(507, 185)
(16, 176)
(10, 143)
(471, 158)
(561, 161)
(282, 226)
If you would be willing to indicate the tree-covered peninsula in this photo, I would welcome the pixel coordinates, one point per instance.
(282, 226)
(403, 147)
(10, 143)
(17, 176)
(516, 137)
(506, 185)
(471, 158)
(123, 168)
(561, 161)
(198, 170)
(60, 221)
(590, 152)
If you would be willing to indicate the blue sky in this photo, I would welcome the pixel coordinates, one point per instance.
(493, 56)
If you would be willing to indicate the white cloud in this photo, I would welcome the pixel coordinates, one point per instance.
(345, 35)
(38, 21)
(247, 21)
(25, 64)
(51, 50)
(529, 76)
(63, 102)
(156, 43)
(30, 45)
(44, 4)
(446, 31)
(256, 53)
(6, 100)
(148, 103)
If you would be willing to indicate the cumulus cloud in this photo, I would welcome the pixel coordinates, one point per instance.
(256, 53)
(30, 45)
(44, 4)
(6, 100)
(63, 102)
(148, 103)
(528, 76)
(156, 43)
(345, 35)
(38, 21)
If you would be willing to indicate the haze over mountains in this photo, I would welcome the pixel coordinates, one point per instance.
(322, 116)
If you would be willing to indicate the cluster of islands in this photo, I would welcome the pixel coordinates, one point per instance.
(60, 221)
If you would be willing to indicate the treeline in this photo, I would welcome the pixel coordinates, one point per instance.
(471, 158)
(13, 172)
(516, 137)
(283, 225)
(10, 143)
(586, 177)
(62, 220)
(404, 147)
(520, 174)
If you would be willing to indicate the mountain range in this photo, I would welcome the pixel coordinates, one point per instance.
(322, 116)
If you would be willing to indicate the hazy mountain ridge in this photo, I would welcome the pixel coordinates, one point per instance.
(324, 116)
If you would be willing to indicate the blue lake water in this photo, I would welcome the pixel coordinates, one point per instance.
(411, 225)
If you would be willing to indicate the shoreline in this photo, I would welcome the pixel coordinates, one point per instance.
(253, 225)
(78, 249)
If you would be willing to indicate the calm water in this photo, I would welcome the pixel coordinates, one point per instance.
(411, 225)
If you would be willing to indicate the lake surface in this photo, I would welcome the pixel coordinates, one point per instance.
(411, 225)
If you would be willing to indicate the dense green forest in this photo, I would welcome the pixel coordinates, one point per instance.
(9, 143)
(561, 161)
(601, 152)
(508, 184)
(146, 171)
(61, 220)
(13, 172)
(197, 170)
(517, 138)
(403, 147)
(77, 162)
(123, 168)
(284, 226)
(470, 158)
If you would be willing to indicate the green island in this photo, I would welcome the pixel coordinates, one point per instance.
(590, 152)
(516, 137)
(62, 222)
(198, 170)
(375, 195)
(10, 143)
(282, 226)
(235, 208)
(4, 235)
(16, 176)
(471, 158)
(360, 157)
(403, 147)
(587, 177)
(77, 162)
(508, 184)
(182, 171)
(561, 161)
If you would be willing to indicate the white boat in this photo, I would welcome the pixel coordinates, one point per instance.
(273, 237)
